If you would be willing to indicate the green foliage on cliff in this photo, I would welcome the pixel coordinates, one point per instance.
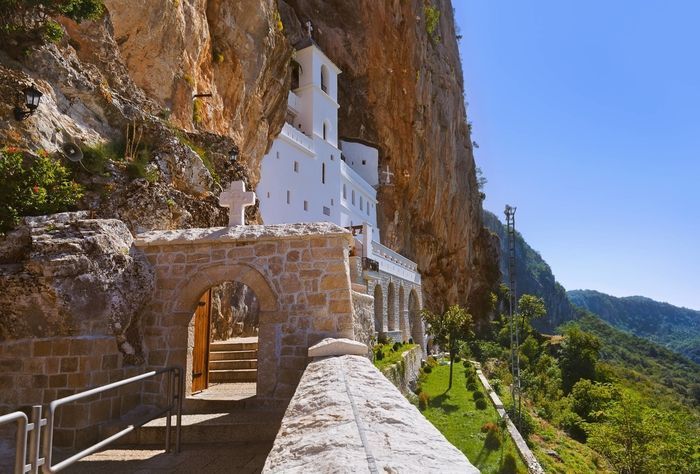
(33, 185)
(30, 22)
(432, 19)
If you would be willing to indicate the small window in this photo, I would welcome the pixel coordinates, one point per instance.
(289, 197)
(368, 209)
(353, 197)
(361, 204)
(324, 79)
(306, 205)
(326, 211)
(325, 131)
(332, 158)
(364, 162)
(345, 192)
(278, 155)
(332, 202)
(296, 166)
(268, 195)
(323, 173)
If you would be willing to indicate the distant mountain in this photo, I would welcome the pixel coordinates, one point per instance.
(675, 328)
(534, 276)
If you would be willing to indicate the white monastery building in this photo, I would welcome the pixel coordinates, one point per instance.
(309, 175)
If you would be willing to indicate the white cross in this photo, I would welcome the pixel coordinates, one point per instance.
(236, 199)
(309, 28)
(387, 175)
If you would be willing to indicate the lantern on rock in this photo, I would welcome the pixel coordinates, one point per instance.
(32, 97)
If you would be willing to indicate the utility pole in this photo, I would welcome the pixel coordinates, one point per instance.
(514, 327)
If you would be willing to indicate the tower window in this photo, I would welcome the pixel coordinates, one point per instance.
(289, 197)
(325, 131)
(324, 79)
(323, 173)
(296, 166)
(364, 162)
(306, 205)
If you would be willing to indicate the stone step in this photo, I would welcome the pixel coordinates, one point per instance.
(239, 375)
(233, 364)
(232, 355)
(233, 346)
(246, 425)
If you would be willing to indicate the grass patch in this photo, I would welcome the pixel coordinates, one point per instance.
(201, 152)
(455, 415)
(391, 357)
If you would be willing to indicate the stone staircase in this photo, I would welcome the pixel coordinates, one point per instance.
(234, 361)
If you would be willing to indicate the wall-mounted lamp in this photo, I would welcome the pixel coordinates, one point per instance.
(32, 97)
(233, 155)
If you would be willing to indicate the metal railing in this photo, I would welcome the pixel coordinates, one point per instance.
(175, 382)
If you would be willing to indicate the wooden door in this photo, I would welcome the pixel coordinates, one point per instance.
(200, 352)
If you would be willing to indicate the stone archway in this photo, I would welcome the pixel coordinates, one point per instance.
(415, 320)
(391, 308)
(298, 306)
(378, 310)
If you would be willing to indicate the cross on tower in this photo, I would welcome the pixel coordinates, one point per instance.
(387, 175)
(236, 199)
(309, 28)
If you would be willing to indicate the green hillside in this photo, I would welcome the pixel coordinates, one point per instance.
(676, 328)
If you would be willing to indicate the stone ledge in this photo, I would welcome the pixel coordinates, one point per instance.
(347, 417)
(247, 233)
(330, 347)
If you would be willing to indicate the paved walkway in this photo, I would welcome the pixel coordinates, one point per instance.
(227, 391)
(248, 458)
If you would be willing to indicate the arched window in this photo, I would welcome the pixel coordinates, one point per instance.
(324, 79)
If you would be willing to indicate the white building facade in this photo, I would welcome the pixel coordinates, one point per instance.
(309, 175)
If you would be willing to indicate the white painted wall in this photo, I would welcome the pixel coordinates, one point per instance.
(363, 159)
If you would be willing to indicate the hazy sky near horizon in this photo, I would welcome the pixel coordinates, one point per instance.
(587, 115)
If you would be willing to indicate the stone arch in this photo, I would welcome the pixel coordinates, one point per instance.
(415, 320)
(191, 290)
(391, 307)
(403, 317)
(378, 309)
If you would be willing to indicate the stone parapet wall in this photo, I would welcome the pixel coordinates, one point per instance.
(359, 422)
(38, 371)
(404, 374)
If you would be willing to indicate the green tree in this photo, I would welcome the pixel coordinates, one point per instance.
(638, 439)
(29, 21)
(33, 185)
(448, 329)
(579, 356)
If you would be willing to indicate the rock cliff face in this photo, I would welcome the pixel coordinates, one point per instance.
(142, 64)
(401, 90)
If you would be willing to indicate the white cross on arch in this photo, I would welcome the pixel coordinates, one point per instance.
(236, 199)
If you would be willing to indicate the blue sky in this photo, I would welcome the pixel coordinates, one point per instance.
(587, 115)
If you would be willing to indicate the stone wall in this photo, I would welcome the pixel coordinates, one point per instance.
(363, 319)
(359, 422)
(404, 374)
(38, 371)
(298, 272)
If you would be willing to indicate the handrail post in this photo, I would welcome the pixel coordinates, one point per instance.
(169, 414)
(35, 438)
(180, 396)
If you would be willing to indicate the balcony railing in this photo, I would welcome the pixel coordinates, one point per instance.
(385, 252)
(298, 136)
(293, 102)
